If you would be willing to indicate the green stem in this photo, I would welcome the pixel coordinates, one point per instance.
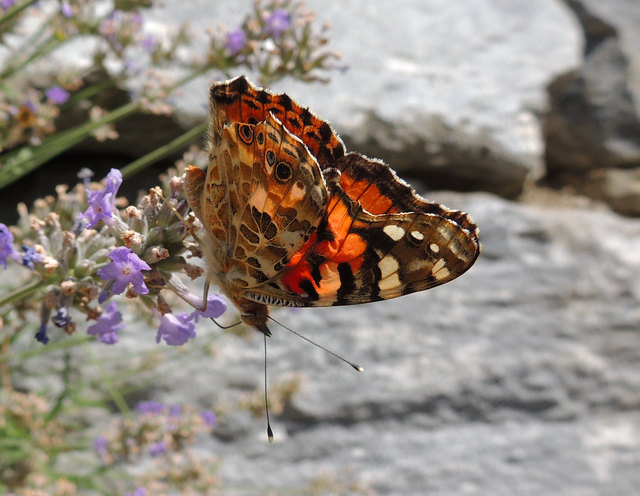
(20, 162)
(58, 143)
(159, 153)
(48, 47)
(66, 375)
(14, 11)
(35, 351)
(22, 293)
(88, 92)
(107, 381)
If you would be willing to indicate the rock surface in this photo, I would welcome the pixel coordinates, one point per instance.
(593, 126)
(521, 374)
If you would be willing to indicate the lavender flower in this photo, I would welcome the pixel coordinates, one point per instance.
(101, 201)
(157, 449)
(277, 23)
(140, 491)
(235, 40)
(175, 411)
(7, 4)
(62, 318)
(100, 445)
(154, 407)
(56, 94)
(31, 256)
(209, 418)
(126, 267)
(41, 335)
(114, 180)
(107, 326)
(7, 250)
(176, 330)
(66, 9)
(216, 306)
(148, 43)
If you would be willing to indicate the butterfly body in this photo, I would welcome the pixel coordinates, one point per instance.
(291, 219)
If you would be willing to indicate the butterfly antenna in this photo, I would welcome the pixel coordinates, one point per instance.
(354, 365)
(266, 401)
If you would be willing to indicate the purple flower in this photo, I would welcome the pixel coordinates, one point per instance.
(41, 335)
(108, 325)
(56, 94)
(100, 445)
(148, 43)
(175, 411)
(101, 201)
(277, 23)
(85, 174)
(209, 417)
(7, 4)
(141, 491)
(154, 407)
(7, 250)
(176, 330)
(235, 40)
(114, 180)
(62, 318)
(66, 9)
(31, 256)
(216, 306)
(157, 449)
(126, 267)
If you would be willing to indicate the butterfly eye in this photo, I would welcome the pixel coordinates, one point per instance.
(246, 133)
(283, 172)
(271, 157)
(261, 138)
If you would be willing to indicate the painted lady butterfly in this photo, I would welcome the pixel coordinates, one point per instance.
(292, 219)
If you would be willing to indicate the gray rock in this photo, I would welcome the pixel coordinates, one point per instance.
(593, 123)
(522, 373)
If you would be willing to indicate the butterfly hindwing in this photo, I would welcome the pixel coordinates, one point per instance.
(355, 257)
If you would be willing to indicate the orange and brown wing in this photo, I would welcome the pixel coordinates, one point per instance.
(356, 257)
(371, 183)
(238, 100)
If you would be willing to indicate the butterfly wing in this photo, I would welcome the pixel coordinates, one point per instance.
(369, 182)
(356, 257)
(375, 239)
(262, 198)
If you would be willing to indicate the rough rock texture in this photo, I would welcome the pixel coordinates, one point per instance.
(446, 90)
(593, 125)
(521, 374)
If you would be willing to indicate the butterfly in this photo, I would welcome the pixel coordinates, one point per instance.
(291, 219)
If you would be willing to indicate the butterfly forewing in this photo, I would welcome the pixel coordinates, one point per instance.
(276, 195)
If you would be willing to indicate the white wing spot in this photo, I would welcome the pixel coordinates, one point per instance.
(434, 248)
(388, 265)
(394, 232)
(439, 270)
(389, 273)
(417, 235)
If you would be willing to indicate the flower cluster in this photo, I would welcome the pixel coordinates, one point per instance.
(85, 250)
(162, 432)
(278, 38)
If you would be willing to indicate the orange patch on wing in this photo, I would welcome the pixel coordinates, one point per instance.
(345, 247)
(367, 194)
